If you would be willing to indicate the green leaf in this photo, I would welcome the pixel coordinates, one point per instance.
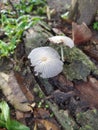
(15, 125)
(29, 9)
(95, 25)
(5, 120)
(5, 112)
(2, 124)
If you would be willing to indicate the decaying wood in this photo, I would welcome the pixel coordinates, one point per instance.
(62, 116)
(13, 93)
(85, 90)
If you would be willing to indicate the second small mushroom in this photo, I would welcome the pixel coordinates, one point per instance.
(63, 40)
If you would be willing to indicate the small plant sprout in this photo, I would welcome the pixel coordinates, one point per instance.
(46, 62)
(62, 40)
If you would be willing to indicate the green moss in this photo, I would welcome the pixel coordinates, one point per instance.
(80, 65)
(88, 120)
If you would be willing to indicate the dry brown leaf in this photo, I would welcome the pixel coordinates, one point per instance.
(3, 129)
(47, 124)
(13, 93)
(19, 115)
(41, 113)
(91, 52)
(89, 91)
(22, 84)
(80, 33)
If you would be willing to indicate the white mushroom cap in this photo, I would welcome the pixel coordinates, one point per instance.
(62, 40)
(46, 62)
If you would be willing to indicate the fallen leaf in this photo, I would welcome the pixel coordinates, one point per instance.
(62, 83)
(19, 115)
(47, 124)
(41, 113)
(80, 33)
(21, 81)
(61, 97)
(89, 91)
(3, 129)
(91, 52)
(13, 93)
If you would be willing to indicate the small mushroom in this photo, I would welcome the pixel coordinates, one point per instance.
(63, 40)
(46, 62)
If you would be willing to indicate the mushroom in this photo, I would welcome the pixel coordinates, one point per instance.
(63, 40)
(46, 62)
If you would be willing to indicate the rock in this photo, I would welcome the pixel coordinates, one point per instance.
(36, 36)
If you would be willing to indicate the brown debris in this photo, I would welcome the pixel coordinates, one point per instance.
(89, 91)
(80, 33)
(41, 113)
(13, 93)
(48, 125)
(23, 87)
(60, 97)
(43, 120)
(62, 83)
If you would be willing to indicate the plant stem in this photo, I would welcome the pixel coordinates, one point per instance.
(62, 53)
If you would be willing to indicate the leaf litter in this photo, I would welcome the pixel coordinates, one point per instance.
(74, 96)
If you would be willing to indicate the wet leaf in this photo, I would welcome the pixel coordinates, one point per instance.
(91, 52)
(47, 124)
(89, 91)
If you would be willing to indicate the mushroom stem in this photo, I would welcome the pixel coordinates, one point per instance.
(62, 53)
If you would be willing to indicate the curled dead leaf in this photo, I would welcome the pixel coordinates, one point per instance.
(13, 93)
(80, 33)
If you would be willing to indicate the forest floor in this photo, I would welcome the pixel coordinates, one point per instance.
(68, 101)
